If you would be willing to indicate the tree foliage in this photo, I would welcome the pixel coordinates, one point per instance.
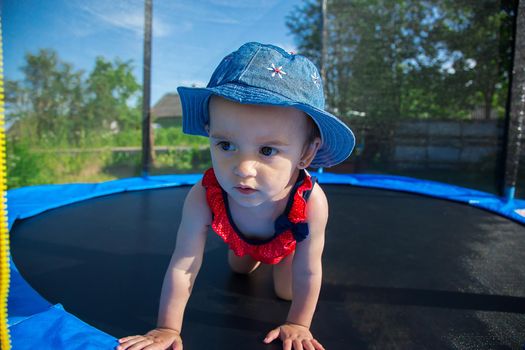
(110, 88)
(410, 59)
(55, 102)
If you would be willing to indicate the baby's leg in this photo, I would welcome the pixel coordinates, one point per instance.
(242, 264)
(282, 278)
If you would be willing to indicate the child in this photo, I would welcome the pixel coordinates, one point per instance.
(263, 114)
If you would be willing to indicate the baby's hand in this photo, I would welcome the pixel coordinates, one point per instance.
(157, 339)
(296, 335)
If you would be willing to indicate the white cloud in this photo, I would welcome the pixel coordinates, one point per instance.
(162, 88)
(243, 4)
(196, 83)
(233, 12)
(470, 63)
(287, 47)
(128, 15)
(196, 11)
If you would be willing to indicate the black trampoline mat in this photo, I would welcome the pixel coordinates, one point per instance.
(400, 271)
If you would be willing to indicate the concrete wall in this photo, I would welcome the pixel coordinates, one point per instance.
(446, 143)
(435, 143)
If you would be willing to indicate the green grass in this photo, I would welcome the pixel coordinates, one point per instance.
(52, 161)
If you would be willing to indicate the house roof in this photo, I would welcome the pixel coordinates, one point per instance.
(168, 106)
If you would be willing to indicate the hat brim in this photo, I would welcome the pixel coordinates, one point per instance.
(337, 139)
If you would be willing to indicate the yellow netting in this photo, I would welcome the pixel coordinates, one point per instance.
(4, 233)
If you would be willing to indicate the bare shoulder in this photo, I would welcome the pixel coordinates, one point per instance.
(193, 228)
(196, 207)
(317, 208)
(196, 216)
(307, 259)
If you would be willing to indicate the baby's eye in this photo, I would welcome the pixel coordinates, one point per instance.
(226, 146)
(268, 151)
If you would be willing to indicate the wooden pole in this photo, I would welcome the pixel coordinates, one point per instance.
(324, 44)
(147, 131)
(516, 114)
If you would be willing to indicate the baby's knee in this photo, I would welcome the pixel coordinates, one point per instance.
(283, 294)
(244, 270)
(243, 265)
(282, 288)
(282, 278)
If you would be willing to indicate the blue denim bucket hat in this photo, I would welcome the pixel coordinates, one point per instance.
(268, 75)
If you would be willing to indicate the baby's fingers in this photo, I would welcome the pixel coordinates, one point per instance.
(308, 345)
(298, 345)
(273, 334)
(125, 339)
(131, 343)
(176, 346)
(159, 346)
(317, 345)
(287, 344)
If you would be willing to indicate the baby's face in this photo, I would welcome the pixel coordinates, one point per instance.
(255, 150)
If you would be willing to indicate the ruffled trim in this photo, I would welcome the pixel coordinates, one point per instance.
(278, 247)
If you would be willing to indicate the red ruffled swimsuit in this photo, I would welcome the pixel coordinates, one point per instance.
(290, 227)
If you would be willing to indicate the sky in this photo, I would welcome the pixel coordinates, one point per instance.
(189, 37)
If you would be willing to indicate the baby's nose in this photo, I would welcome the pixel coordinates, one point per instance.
(245, 168)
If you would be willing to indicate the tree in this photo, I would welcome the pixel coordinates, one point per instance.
(112, 94)
(54, 102)
(408, 58)
(49, 98)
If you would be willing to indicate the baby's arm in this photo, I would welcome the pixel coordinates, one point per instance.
(186, 259)
(307, 276)
(307, 269)
(180, 276)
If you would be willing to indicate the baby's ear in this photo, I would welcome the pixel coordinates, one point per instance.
(207, 129)
(309, 153)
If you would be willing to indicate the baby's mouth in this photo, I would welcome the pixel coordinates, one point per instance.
(245, 190)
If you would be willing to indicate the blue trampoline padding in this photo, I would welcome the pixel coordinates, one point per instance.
(514, 209)
(28, 201)
(56, 329)
(33, 322)
(23, 301)
(32, 200)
